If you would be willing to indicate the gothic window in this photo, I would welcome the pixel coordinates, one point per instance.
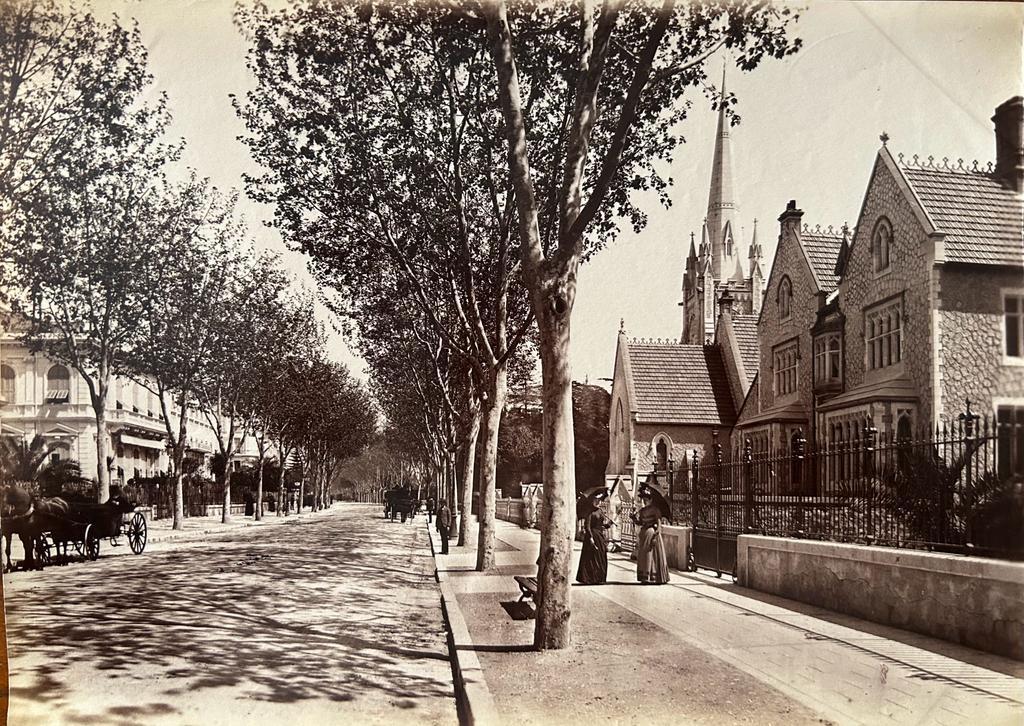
(785, 298)
(883, 335)
(784, 365)
(7, 384)
(662, 454)
(1013, 315)
(58, 384)
(827, 358)
(881, 245)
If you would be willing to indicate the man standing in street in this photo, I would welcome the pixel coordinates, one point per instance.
(444, 525)
(430, 510)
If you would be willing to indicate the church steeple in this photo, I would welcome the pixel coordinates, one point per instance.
(721, 199)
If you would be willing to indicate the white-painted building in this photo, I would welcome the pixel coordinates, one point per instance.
(44, 397)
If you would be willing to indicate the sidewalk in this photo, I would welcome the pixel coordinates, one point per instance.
(701, 649)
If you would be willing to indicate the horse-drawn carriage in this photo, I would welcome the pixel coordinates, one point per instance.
(400, 502)
(48, 525)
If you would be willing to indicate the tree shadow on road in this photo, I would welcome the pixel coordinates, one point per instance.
(280, 615)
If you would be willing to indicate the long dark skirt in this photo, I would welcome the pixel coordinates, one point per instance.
(651, 561)
(593, 569)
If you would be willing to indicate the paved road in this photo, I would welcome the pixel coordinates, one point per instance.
(326, 619)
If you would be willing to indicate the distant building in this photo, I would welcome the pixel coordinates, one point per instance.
(47, 398)
(724, 263)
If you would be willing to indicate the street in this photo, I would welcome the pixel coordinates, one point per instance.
(320, 619)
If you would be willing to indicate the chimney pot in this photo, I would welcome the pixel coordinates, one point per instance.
(1009, 128)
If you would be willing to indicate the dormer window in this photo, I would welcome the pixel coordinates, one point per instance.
(881, 246)
(785, 298)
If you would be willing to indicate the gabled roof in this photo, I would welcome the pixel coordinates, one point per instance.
(745, 329)
(823, 247)
(679, 384)
(982, 220)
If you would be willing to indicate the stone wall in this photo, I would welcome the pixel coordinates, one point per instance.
(973, 601)
(971, 326)
(910, 277)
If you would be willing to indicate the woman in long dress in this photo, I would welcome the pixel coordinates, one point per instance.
(593, 569)
(651, 561)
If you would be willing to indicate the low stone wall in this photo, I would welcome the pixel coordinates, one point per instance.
(216, 510)
(677, 545)
(973, 601)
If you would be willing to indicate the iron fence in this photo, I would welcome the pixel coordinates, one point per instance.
(958, 487)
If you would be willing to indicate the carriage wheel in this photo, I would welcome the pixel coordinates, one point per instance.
(92, 543)
(44, 551)
(137, 533)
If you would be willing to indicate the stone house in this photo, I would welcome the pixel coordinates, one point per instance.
(782, 399)
(931, 293)
(668, 400)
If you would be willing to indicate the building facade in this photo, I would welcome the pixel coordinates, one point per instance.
(47, 398)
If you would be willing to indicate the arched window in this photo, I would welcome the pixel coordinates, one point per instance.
(881, 245)
(662, 451)
(785, 298)
(7, 384)
(58, 384)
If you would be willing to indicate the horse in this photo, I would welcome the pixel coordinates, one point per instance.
(27, 516)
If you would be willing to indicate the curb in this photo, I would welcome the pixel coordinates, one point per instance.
(473, 700)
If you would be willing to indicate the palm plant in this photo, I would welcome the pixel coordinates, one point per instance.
(21, 460)
(57, 476)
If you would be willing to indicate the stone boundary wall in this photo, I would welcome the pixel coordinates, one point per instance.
(973, 601)
(677, 545)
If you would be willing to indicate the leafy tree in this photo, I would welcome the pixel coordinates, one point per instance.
(178, 322)
(590, 98)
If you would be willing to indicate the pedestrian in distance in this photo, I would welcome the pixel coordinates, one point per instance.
(444, 525)
(651, 561)
(430, 509)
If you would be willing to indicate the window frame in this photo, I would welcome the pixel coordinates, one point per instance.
(877, 269)
(784, 298)
(1017, 294)
(51, 388)
(878, 325)
(6, 387)
(785, 375)
(825, 355)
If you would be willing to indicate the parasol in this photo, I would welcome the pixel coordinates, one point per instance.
(657, 499)
(588, 500)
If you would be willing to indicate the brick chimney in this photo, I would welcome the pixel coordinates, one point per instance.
(791, 219)
(725, 304)
(1009, 121)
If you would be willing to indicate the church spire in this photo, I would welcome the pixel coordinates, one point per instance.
(721, 200)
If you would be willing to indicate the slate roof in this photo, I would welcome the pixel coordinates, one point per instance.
(983, 220)
(745, 328)
(822, 247)
(680, 384)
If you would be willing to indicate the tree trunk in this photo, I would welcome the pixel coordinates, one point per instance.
(558, 512)
(488, 470)
(280, 484)
(258, 511)
(102, 447)
(468, 470)
(225, 516)
(178, 491)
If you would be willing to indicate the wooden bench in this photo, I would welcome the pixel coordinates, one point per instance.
(528, 586)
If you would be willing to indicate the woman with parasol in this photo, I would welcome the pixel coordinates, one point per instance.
(593, 569)
(651, 562)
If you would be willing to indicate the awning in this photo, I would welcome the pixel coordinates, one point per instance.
(59, 395)
(144, 443)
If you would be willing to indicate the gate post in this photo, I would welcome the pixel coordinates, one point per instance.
(718, 503)
(967, 487)
(695, 472)
(671, 495)
(870, 432)
(797, 465)
(748, 486)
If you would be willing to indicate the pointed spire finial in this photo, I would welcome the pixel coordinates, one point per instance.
(622, 325)
(884, 138)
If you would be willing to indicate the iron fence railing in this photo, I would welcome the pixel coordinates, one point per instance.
(958, 487)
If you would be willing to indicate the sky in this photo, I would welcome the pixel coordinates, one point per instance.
(928, 74)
